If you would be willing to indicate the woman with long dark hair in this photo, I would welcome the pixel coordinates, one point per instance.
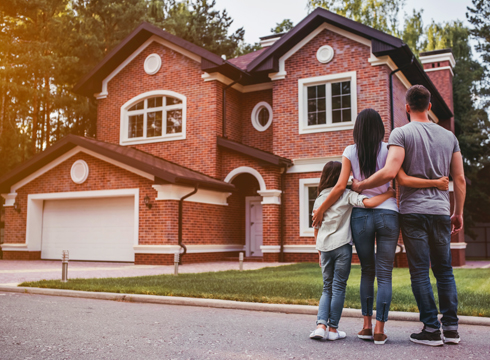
(370, 226)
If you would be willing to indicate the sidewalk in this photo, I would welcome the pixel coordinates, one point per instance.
(13, 272)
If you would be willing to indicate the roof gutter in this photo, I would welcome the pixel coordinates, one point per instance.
(181, 205)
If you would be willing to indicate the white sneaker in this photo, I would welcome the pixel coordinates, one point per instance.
(336, 335)
(319, 334)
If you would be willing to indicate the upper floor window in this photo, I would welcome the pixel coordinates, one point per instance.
(152, 117)
(262, 116)
(327, 103)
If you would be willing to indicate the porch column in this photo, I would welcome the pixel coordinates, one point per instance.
(271, 215)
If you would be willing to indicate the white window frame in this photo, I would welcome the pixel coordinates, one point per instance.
(303, 102)
(304, 229)
(123, 137)
(255, 116)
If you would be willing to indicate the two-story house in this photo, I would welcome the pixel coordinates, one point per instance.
(209, 156)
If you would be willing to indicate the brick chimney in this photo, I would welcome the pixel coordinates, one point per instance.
(438, 65)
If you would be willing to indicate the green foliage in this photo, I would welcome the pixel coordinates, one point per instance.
(282, 27)
(244, 48)
(291, 284)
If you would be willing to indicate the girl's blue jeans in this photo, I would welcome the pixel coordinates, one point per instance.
(335, 271)
(383, 226)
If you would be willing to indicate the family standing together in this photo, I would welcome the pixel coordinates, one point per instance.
(420, 155)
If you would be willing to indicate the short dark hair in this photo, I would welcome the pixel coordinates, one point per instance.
(418, 98)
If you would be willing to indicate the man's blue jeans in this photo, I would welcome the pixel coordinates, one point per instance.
(382, 225)
(427, 239)
(335, 271)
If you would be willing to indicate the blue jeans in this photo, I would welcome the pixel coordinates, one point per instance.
(335, 271)
(427, 239)
(382, 225)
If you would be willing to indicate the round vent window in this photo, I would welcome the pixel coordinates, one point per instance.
(79, 171)
(325, 54)
(262, 116)
(152, 64)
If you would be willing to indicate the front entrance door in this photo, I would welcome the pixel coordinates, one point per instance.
(253, 225)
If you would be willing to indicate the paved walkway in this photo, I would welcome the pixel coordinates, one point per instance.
(477, 265)
(14, 272)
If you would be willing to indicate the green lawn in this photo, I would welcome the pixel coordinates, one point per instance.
(291, 284)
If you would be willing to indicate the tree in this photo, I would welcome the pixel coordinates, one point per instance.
(282, 27)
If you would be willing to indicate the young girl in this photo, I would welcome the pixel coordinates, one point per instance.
(334, 245)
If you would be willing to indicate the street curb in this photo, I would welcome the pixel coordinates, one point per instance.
(222, 304)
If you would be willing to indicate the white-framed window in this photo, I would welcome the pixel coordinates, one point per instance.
(154, 116)
(307, 197)
(262, 116)
(327, 103)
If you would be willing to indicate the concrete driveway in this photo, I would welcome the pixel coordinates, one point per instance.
(13, 272)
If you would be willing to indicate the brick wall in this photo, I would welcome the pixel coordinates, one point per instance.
(250, 136)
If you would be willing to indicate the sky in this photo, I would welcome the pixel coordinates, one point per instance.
(259, 16)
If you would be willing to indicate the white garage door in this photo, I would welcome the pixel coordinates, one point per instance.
(100, 229)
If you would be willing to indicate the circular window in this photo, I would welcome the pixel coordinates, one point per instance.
(79, 171)
(152, 64)
(325, 54)
(262, 116)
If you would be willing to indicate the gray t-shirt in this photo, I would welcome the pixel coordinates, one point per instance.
(429, 150)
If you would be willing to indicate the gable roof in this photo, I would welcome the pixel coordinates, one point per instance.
(257, 154)
(164, 171)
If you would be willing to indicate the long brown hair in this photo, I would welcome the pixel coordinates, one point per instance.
(330, 175)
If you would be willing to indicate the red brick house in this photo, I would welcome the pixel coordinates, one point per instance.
(213, 156)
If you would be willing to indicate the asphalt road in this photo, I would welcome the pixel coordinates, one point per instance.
(45, 327)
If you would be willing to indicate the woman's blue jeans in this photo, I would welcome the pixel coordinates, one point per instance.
(383, 226)
(335, 271)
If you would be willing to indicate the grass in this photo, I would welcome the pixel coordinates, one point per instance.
(291, 284)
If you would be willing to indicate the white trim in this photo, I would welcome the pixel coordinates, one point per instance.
(9, 199)
(451, 186)
(255, 116)
(123, 126)
(303, 99)
(270, 248)
(427, 59)
(248, 200)
(176, 192)
(311, 164)
(440, 68)
(304, 229)
(281, 74)
(103, 94)
(147, 68)
(14, 247)
(269, 42)
(191, 249)
(74, 178)
(328, 58)
(68, 155)
(246, 169)
(35, 205)
(433, 116)
(458, 246)
(241, 88)
(270, 197)
(300, 249)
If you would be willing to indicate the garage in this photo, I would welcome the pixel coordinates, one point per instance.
(93, 229)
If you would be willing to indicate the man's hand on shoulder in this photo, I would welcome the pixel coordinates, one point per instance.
(456, 224)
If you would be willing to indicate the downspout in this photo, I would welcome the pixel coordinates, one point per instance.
(283, 183)
(392, 116)
(224, 103)
(181, 203)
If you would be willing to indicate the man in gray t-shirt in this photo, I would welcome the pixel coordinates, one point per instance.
(428, 151)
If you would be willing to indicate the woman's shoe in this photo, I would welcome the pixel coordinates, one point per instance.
(336, 335)
(365, 334)
(319, 334)
(380, 339)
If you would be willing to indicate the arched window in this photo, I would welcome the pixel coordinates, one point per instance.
(153, 116)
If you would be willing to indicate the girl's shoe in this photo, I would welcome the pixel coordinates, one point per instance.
(365, 334)
(380, 339)
(336, 335)
(319, 334)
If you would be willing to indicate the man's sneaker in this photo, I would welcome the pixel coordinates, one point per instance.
(427, 338)
(336, 335)
(451, 337)
(319, 334)
(365, 334)
(380, 339)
